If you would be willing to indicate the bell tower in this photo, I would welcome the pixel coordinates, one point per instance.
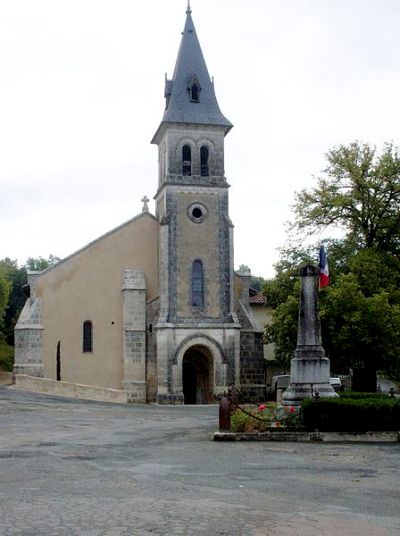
(196, 308)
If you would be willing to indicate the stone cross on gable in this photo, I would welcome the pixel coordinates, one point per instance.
(145, 200)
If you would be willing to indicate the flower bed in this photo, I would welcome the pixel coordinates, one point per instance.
(265, 417)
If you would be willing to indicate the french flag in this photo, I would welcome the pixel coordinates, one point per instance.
(323, 268)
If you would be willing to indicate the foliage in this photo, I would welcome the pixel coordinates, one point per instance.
(359, 330)
(257, 283)
(359, 192)
(16, 277)
(360, 310)
(351, 414)
(266, 416)
(283, 331)
(6, 355)
(39, 264)
(4, 294)
(357, 394)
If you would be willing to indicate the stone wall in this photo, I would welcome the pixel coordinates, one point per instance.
(73, 390)
(134, 334)
(252, 365)
(152, 314)
(28, 336)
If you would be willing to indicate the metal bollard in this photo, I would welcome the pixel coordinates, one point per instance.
(225, 412)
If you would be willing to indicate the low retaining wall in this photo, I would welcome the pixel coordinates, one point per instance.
(72, 390)
(6, 378)
(311, 437)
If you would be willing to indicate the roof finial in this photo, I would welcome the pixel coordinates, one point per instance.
(188, 10)
(145, 200)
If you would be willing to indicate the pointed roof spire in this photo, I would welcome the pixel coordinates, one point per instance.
(190, 95)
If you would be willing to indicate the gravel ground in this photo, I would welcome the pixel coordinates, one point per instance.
(90, 468)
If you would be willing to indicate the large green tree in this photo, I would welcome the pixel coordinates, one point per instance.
(360, 311)
(358, 191)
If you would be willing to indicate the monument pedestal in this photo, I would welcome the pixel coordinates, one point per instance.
(309, 369)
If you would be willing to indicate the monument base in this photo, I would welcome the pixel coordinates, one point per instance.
(297, 392)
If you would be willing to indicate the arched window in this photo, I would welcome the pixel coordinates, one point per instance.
(186, 160)
(87, 340)
(58, 362)
(197, 284)
(194, 89)
(194, 92)
(204, 161)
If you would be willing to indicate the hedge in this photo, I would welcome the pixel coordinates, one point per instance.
(357, 394)
(351, 414)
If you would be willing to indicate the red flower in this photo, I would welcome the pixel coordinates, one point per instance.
(261, 407)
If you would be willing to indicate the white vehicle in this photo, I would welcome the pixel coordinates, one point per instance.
(336, 383)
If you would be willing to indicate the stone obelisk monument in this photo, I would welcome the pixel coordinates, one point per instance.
(309, 369)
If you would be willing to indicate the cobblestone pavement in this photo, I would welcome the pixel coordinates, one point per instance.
(86, 468)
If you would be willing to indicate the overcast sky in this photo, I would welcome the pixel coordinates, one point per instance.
(81, 95)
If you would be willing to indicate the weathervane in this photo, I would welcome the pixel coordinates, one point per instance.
(188, 10)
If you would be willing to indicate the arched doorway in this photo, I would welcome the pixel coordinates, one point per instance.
(197, 375)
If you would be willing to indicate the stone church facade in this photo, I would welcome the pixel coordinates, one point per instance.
(155, 307)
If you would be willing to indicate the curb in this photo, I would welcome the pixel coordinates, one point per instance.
(311, 437)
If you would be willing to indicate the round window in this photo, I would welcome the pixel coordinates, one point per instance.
(197, 212)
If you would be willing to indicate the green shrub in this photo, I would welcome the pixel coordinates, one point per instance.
(6, 356)
(351, 414)
(242, 422)
(356, 394)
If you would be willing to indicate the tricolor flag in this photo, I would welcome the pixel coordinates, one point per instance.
(323, 268)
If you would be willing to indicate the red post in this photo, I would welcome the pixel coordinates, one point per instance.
(225, 412)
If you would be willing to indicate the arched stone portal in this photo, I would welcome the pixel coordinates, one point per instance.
(197, 375)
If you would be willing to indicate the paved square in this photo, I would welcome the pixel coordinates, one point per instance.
(85, 468)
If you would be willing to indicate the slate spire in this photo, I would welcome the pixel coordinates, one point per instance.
(190, 96)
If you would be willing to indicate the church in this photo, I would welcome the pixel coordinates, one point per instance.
(154, 307)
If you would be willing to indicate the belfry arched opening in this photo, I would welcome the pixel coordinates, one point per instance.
(197, 375)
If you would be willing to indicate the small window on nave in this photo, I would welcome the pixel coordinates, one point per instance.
(87, 339)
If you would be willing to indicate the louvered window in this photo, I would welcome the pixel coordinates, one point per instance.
(204, 161)
(186, 160)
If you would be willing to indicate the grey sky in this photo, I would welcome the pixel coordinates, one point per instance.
(81, 85)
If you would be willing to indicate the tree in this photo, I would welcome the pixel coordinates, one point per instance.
(360, 311)
(360, 331)
(4, 293)
(12, 299)
(39, 264)
(5, 351)
(359, 192)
